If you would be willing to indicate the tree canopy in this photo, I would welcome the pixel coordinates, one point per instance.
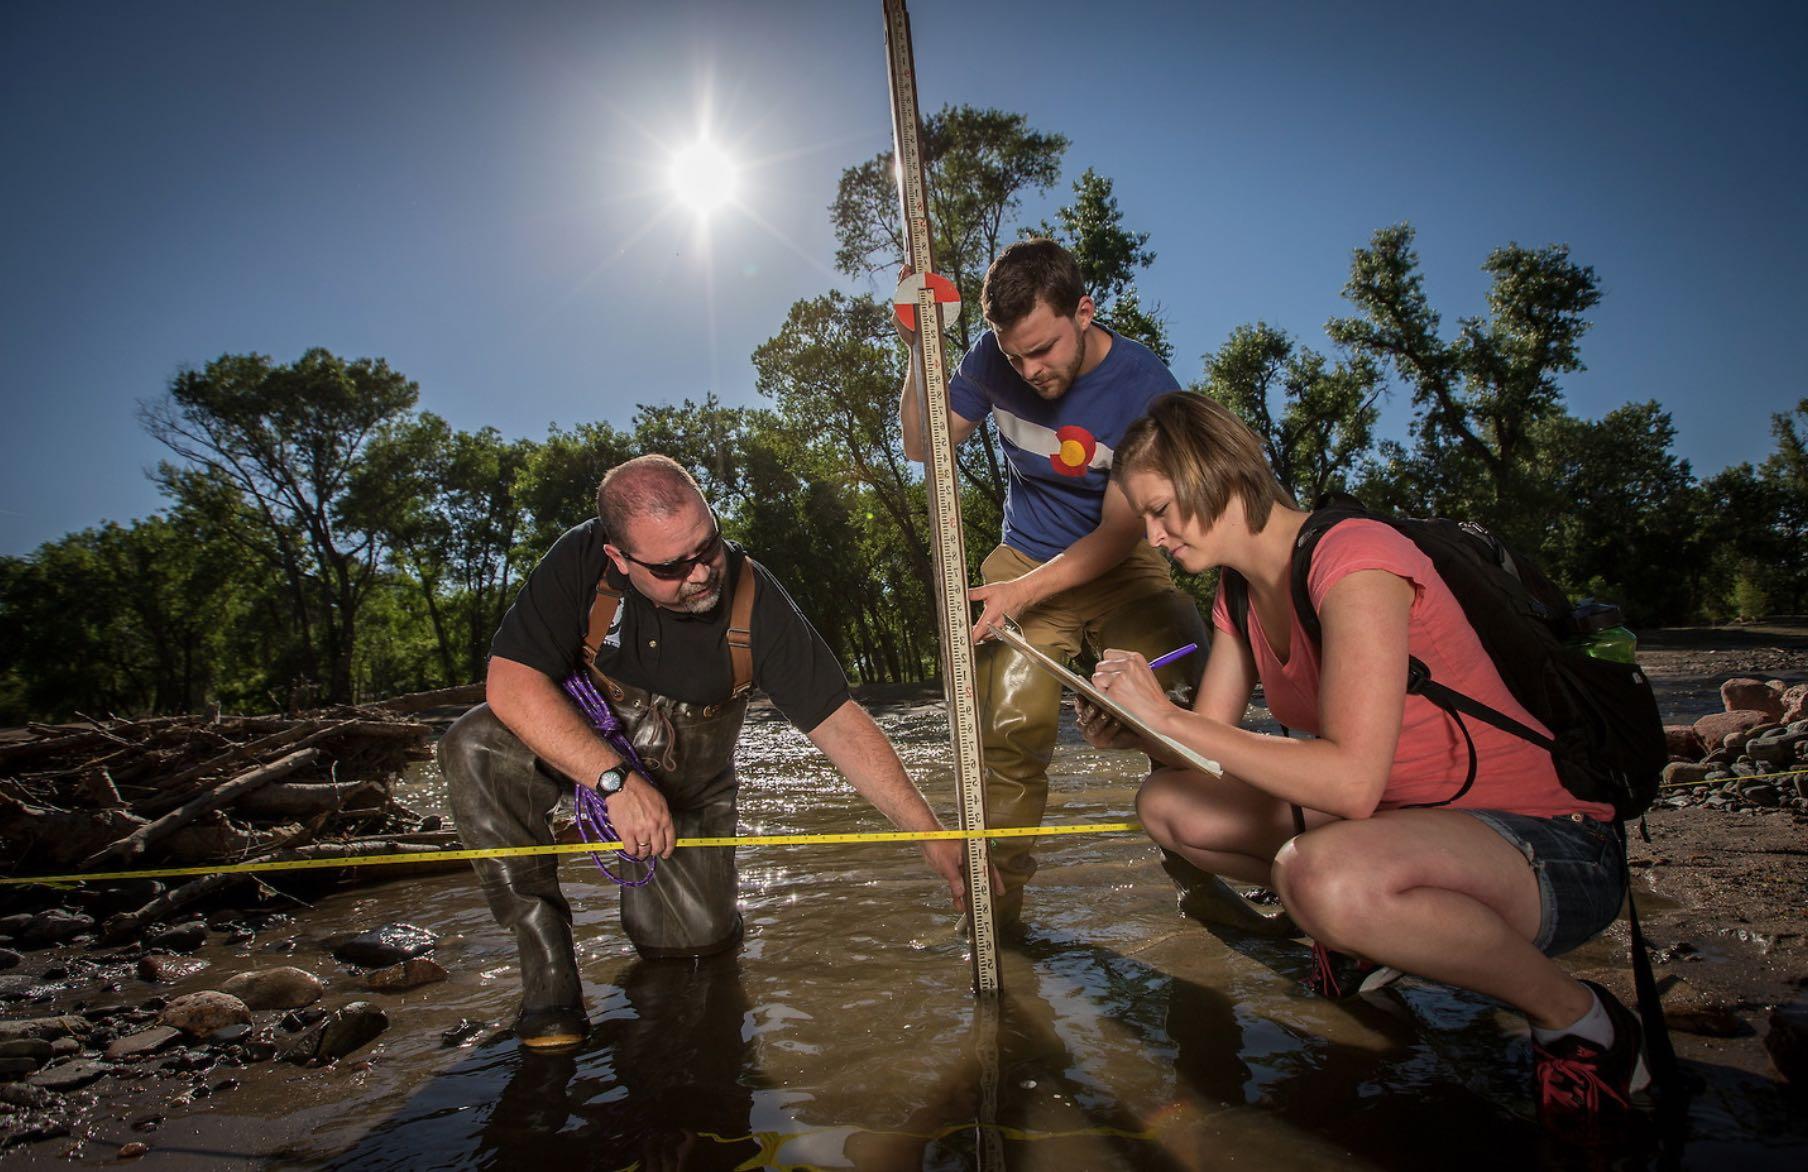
(327, 540)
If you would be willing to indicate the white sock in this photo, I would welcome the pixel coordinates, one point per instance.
(1594, 1026)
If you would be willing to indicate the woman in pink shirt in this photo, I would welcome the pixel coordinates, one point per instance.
(1365, 829)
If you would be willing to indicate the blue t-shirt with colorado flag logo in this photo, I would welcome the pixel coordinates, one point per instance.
(1060, 451)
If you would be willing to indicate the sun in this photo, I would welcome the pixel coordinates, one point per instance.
(703, 176)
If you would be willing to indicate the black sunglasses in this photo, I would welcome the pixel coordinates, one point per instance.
(673, 571)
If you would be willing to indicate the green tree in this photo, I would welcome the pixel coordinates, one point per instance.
(979, 165)
(1754, 524)
(455, 541)
(1621, 511)
(1109, 254)
(293, 442)
(556, 484)
(124, 619)
(833, 372)
(1327, 418)
(1786, 472)
(1479, 397)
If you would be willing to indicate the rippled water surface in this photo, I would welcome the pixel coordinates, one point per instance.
(844, 1033)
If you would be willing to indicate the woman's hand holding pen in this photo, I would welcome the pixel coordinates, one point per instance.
(1125, 676)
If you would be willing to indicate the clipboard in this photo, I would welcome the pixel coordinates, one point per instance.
(1010, 634)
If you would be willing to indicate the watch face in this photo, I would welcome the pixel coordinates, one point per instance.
(612, 780)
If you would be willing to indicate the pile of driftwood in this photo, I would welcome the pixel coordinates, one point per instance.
(114, 795)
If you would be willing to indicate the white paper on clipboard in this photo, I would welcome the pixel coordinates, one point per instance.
(1083, 686)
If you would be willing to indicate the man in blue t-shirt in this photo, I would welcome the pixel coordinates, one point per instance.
(1073, 569)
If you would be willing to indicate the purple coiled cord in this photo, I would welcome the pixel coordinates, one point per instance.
(590, 811)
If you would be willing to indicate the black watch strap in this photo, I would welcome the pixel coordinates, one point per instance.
(611, 780)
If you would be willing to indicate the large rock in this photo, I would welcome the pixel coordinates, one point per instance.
(410, 974)
(1681, 773)
(182, 938)
(381, 947)
(1787, 1041)
(286, 987)
(9, 959)
(1775, 750)
(19, 1094)
(164, 969)
(338, 1034)
(71, 1075)
(1749, 695)
(1795, 704)
(1680, 741)
(1714, 728)
(200, 1014)
(20, 987)
(36, 1049)
(48, 1028)
(146, 1042)
(54, 927)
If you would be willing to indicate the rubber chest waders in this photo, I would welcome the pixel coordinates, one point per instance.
(503, 796)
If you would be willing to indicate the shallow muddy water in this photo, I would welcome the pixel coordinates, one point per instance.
(844, 1032)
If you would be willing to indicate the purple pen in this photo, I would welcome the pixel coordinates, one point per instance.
(1170, 657)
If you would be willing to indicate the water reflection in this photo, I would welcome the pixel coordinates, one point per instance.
(1088, 1059)
(664, 1080)
(844, 1033)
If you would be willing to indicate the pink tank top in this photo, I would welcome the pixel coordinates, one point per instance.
(1431, 759)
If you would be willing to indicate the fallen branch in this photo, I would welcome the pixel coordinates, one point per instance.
(172, 798)
(134, 845)
(129, 925)
(299, 800)
(465, 694)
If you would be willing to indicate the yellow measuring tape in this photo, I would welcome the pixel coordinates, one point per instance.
(1731, 777)
(582, 848)
(576, 848)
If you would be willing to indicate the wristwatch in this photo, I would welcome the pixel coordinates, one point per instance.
(611, 780)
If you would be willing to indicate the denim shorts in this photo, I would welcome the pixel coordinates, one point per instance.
(1581, 876)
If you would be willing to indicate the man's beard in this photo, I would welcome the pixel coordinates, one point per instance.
(700, 597)
(1056, 388)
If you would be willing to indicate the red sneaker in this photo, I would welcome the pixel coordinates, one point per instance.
(1337, 975)
(1577, 1081)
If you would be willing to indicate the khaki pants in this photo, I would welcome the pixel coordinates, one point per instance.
(1135, 607)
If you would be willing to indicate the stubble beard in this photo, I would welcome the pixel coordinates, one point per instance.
(1056, 388)
(700, 597)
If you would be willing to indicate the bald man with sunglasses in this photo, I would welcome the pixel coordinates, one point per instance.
(647, 599)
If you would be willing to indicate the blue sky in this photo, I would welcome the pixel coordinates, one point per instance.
(475, 191)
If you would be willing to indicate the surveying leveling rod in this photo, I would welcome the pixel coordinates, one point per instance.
(944, 496)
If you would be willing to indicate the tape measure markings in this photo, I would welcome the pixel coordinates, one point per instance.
(578, 848)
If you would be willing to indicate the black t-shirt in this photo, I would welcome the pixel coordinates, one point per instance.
(668, 652)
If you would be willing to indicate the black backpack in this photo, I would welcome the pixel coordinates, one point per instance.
(1607, 737)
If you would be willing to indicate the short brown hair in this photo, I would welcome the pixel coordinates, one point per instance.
(653, 484)
(1207, 453)
(1025, 273)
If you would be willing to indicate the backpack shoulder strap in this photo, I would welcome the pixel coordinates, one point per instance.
(602, 617)
(740, 629)
(1236, 599)
(1330, 510)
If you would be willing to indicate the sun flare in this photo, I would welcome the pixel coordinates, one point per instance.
(703, 176)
